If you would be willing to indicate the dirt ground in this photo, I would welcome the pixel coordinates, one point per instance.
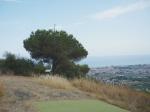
(21, 92)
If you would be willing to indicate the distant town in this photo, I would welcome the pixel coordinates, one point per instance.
(135, 76)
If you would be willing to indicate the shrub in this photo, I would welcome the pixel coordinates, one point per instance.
(1, 89)
(19, 66)
(83, 70)
(71, 70)
(39, 68)
(1, 65)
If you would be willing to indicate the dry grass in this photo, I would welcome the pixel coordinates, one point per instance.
(118, 95)
(1, 89)
(56, 82)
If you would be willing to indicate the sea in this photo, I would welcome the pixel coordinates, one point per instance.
(103, 61)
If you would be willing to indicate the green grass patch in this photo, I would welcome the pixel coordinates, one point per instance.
(77, 106)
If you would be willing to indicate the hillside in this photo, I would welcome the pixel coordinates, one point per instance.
(20, 92)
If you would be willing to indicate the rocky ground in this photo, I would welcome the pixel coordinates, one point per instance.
(21, 92)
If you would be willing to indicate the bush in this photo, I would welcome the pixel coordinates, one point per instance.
(39, 68)
(20, 66)
(83, 70)
(1, 65)
(1, 89)
(71, 70)
(66, 69)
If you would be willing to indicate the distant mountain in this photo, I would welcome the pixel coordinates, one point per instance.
(136, 76)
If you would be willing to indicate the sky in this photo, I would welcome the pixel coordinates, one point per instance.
(104, 27)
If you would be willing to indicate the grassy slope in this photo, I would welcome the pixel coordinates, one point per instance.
(77, 106)
(24, 90)
(117, 95)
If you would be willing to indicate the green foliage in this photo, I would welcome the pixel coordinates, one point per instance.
(57, 48)
(39, 68)
(71, 70)
(1, 65)
(20, 66)
(44, 44)
(67, 69)
(83, 69)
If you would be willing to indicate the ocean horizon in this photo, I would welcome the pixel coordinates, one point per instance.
(102, 61)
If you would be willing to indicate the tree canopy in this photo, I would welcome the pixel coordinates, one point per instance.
(56, 47)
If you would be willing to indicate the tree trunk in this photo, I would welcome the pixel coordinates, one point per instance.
(54, 64)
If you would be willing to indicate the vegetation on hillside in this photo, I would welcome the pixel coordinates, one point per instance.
(57, 82)
(118, 95)
(20, 66)
(1, 89)
(55, 51)
(59, 49)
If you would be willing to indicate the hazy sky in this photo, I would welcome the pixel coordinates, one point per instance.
(104, 27)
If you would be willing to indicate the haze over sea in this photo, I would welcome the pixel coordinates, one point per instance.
(116, 60)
